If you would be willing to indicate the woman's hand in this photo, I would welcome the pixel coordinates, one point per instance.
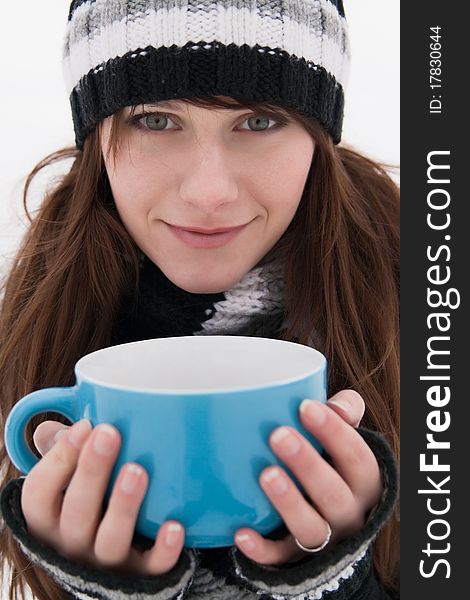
(341, 495)
(62, 500)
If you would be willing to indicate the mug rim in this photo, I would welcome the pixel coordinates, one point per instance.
(81, 376)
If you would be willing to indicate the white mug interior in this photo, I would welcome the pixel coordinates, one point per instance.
(193, 364)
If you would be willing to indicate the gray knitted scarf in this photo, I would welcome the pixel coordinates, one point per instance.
(253, 306)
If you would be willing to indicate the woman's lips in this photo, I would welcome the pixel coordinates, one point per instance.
(204, 240)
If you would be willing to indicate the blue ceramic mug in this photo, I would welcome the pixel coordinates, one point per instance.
(196, 412)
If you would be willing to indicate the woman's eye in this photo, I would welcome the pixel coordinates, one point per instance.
(157, 121)
(259, 123)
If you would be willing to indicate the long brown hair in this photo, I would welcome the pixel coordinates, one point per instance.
(77, 265)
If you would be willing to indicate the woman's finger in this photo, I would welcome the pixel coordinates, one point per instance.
(352, 457)
(164, 554)
(83, 501)
(328, 491)
(42, 492)
(114, 536)
(267, 552)
(349, 405)
(303, 520)
(47, 434)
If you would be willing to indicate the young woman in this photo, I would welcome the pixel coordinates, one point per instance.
(208, 194)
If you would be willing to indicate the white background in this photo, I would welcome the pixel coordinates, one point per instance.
(36, 118)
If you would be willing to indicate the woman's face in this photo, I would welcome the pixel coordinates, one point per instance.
(207, 168)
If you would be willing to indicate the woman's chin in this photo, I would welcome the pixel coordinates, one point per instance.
(200, 286)
(203, 282)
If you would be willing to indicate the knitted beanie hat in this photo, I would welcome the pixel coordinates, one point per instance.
(293, 53)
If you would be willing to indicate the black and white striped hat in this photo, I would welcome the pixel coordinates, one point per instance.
(294, 53)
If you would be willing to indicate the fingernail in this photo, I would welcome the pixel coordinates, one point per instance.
(104, 442)
(276, 481)
(131, 478)
(173, 533)
(343, 403)
(78, 433)
(313, 410)
(245, 540)
(60, 433)
(288, 443)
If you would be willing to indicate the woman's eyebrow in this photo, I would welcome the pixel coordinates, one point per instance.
(180, 105)
(163, 104)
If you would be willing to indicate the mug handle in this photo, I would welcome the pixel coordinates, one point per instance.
(62, 400)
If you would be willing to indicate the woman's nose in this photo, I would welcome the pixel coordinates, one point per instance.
(209, 179)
